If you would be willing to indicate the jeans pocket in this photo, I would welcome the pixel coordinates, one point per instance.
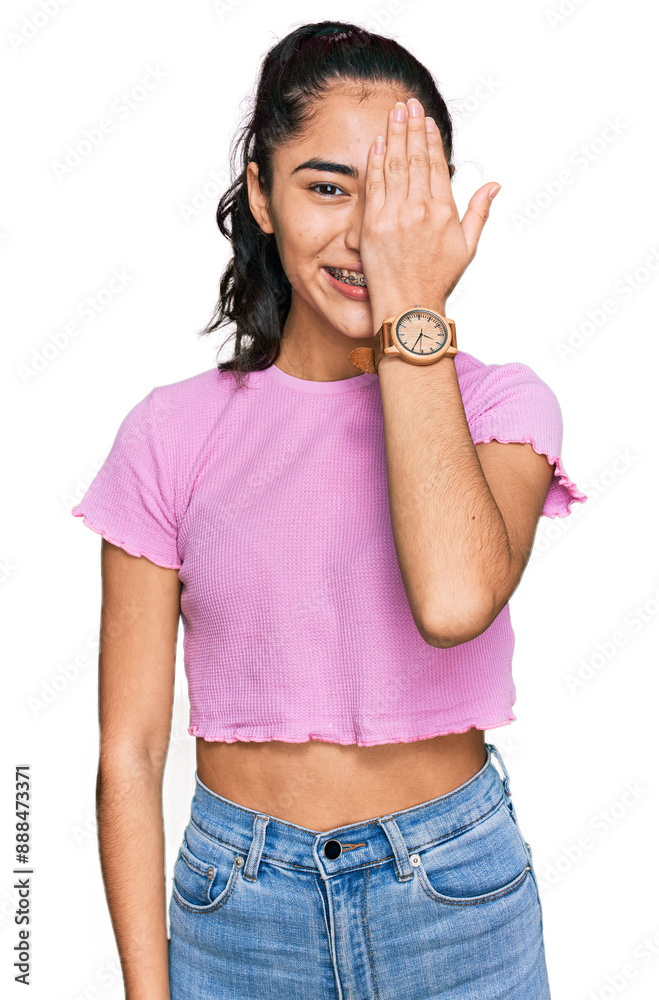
(202, 884)
(486, 861)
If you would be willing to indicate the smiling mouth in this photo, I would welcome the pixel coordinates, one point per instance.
(347, 277)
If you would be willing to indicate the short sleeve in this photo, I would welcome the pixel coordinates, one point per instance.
(130, 500)
(513, 404)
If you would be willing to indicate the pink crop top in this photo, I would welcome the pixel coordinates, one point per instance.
(296, 626)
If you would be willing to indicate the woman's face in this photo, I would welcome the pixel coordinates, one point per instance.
(316, 212)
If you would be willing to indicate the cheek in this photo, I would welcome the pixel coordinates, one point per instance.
(301, 247)
(304, 232)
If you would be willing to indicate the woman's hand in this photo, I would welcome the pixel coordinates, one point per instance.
(413, 247)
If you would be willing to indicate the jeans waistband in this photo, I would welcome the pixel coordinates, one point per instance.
(261, 836)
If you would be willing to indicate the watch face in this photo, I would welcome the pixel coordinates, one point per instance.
(421, 333)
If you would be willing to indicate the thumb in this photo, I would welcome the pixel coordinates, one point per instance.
(476, 216)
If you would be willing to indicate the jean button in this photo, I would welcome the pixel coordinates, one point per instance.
(332, 849)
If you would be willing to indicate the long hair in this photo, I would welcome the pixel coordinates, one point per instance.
(255, 293)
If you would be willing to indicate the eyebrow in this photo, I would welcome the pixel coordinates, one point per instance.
(328, 167)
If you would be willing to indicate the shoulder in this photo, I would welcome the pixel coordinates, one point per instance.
(175, 419)
(190, 407)
(189, 398)
(477, 376)
(510, 384)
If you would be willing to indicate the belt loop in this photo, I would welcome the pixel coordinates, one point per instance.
(256, 848)
(505, 777)
(529, 854)
(398, 846)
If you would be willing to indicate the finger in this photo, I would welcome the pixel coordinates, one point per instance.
(475, 218)
(374, 184)
(418, 161)
(440, 179)
(395, 157)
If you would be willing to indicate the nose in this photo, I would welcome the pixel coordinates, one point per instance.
(353, 231)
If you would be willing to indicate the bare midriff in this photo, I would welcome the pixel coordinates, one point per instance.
(322, 785)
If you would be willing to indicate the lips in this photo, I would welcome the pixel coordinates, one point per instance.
(351, 289)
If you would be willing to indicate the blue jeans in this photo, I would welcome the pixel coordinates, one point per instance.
(436, 901)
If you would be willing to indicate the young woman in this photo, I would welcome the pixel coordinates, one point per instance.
(341, 533)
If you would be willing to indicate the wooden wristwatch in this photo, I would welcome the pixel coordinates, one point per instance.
(419, 336)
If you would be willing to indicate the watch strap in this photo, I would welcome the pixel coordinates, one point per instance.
(362, 357)
(368, 358)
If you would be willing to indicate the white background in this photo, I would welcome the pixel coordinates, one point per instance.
(529, 84)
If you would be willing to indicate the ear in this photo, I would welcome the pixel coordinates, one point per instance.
(258, 202)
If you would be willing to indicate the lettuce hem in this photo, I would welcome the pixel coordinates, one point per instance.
(126, 546)
(225, 734)
(561, 478)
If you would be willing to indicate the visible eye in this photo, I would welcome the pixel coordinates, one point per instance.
(326, 184)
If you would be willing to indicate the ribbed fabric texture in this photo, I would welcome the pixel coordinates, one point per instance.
(272, 503)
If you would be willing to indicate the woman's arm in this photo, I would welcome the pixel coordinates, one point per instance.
(139, 626)
(463, 517)
(460, 554)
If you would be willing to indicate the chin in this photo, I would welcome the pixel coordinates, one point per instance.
(354, 334)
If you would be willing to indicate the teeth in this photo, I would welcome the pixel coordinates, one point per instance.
(348, 276)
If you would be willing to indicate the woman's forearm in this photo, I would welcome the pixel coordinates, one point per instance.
(131, 842)
(450, 538)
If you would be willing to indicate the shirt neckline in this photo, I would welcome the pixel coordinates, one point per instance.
(321, 388)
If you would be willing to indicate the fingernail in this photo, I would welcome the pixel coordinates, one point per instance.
(379, 144)
(399, 111)
(430, 124)
(414, 106)
(494, 192)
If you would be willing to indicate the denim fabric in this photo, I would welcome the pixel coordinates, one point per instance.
(436, 901)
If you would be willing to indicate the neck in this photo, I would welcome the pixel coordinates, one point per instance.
(316, 350)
